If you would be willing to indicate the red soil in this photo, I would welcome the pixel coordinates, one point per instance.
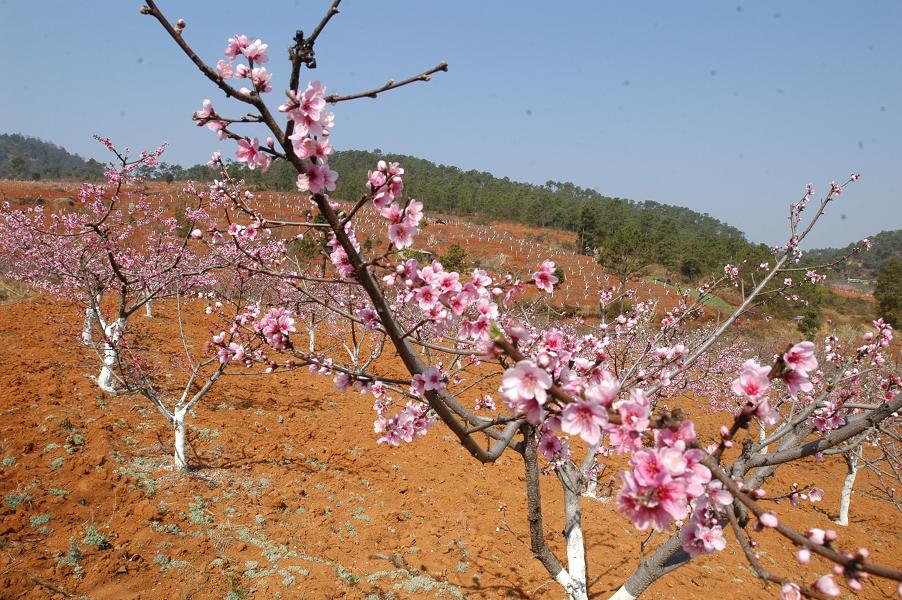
(290, 494)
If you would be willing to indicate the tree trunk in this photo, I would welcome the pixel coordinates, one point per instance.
(622, 594)
(178, 422)
(845, 496)
(571, 482)
(148, 308)
(112, 334)
(87, 331)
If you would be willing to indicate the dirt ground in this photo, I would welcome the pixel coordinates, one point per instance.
(290, 497)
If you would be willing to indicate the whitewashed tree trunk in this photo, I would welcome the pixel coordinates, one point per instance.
(87, 331)
(762, 435)
(845, 496)
(572, 483)
(178, 421)
(91, 315)
(148, 308)
(112, 335)
(622, 594)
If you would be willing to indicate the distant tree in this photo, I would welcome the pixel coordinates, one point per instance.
(19, 166)
(810, 321)
(690, 268)
(455, 259)
(626, 253)
(888, 292)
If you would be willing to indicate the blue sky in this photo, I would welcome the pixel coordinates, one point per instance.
(728, 108)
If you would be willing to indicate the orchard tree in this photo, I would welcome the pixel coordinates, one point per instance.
(567, 399)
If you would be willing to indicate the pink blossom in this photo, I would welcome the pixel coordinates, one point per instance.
(524, 387)
(604, 390)
(790, 591)
(655, 505)
(827, 586)
(316, 178)
(544, 278)
(248, 151)
(585, 419)
(224, 69)
(401, 235)
(255, 51)
(699, 539)
(236, 45)
(433, 379)
(260, 77)
(550, 446)
(768, 519)
(801, 357)
(797, 381)
(753, 381)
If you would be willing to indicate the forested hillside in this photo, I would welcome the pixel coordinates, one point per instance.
(625, 234)
(867, 265)
(24, 157)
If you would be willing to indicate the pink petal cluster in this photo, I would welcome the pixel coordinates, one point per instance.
(250, 153)
(525, 389)
(412, 422)
(275, 327)
(660, 486)
(544, 278)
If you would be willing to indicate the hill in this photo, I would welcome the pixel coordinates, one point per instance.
(865, 265)
(23, 157)
(681, 240)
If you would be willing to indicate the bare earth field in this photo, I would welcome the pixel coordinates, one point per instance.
(289, 495)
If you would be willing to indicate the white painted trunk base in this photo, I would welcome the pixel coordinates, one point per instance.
(87, 331)
(112, 333)
(179, 424)
(845, 496)
(576, 563)
(622, 594)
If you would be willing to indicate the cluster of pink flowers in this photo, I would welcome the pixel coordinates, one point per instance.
(752, 384)
(310, 137)
(255, 52)
(814, 276)
(386, 185)
(662, 483)
(231, 352)
(875, 342)
(525, 389)
(250, 153)
(275, 327)
(432, 379)
(754, 380)
(442, 296)
(798, 362)
(411, 422)
(339, 258)
(704, 534)
(207, 116)
(545, 278)
(731, 271)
